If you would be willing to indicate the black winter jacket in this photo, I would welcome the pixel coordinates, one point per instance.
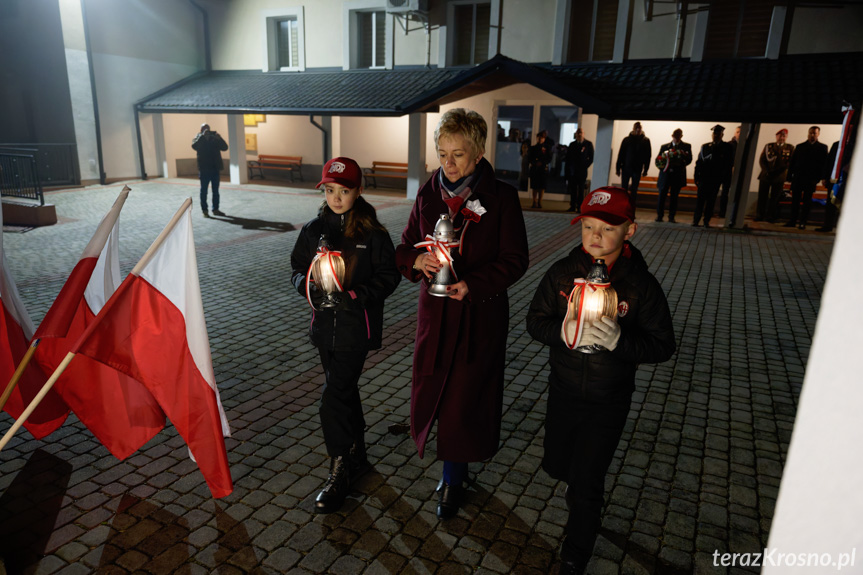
(647, 335)
(370, 276)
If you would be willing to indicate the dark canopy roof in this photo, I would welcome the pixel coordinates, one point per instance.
(795, 89)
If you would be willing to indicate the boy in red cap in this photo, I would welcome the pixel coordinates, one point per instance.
(590, 393)
(351, 227)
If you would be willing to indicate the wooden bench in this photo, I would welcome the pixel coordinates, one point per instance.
(395, 170)
(292, 164)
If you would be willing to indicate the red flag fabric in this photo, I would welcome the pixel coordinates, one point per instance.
(117, 409)
(15, 331)
(153, 330)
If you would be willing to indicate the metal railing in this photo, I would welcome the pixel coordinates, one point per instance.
(19, 177)
(57, 163)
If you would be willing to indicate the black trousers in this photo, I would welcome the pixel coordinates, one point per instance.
(629, 181)
(705, 202)
(576, 192)
(674, 192)
(769, 196)
(208, 177)
(802, 191)
(341, 412)
(592, 431)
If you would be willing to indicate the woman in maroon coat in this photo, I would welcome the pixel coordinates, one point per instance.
(461, 338)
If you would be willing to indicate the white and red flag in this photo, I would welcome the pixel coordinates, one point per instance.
(152, 329)
(119, 410)
(15, 331)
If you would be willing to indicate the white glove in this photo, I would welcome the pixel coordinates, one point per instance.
(605, 332)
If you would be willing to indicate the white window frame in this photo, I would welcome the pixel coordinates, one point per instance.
(447, 41)
(351, 23)
(271, 19)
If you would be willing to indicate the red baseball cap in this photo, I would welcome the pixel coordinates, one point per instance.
(610, 204)
(343, 171)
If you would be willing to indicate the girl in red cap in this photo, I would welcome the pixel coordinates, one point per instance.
(351, 230)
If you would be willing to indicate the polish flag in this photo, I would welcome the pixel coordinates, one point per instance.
(153, 329)
(15, 331)
(117, 409)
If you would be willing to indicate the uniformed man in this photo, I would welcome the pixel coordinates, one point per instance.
(672, 161)
(774, 161)
(714, 161)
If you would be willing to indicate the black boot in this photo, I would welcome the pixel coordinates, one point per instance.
(358, 460)
(450, 499)
(336, 489)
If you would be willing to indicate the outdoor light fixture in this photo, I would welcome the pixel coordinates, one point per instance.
(328, 272)
(591, 299)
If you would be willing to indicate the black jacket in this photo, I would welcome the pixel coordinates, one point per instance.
(714, 164)
(209, 146)
(370, 276)
(807, 163)
(675, 173)
(579, 157)
(647, 335)
(634, 154)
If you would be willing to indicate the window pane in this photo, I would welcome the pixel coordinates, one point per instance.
(380, 38)
(463, 34)
(364, 20)
(483, 24)
(288, 43)
(606, 26)
(295, 44)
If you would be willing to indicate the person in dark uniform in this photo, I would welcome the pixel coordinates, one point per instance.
(579, 157)
(633, 158)
(804, 171)
(539, 158)
(209, 145)
(774, 161)
(672, 161)
(711, 168)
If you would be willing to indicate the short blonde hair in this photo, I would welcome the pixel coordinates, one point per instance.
(465, 122)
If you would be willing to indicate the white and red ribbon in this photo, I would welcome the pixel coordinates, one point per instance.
(440, 250)
(326, 253)
(579, 316)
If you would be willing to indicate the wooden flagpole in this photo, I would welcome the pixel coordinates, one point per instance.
(148, 255)
(36, 400)
(19, 371)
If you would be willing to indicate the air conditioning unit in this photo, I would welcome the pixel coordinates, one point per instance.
(401, 6)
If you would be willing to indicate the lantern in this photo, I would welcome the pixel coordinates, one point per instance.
(328, 272)
(591, 299)
(440, 246)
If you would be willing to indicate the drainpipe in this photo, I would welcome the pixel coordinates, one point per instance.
(93, 92)
(208, 63)
(325, 137)
(140, 145)
(681, 30)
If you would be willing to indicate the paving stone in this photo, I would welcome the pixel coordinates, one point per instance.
(697, 469)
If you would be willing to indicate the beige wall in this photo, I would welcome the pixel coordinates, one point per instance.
(527, 32)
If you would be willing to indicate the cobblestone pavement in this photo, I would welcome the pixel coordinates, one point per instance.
(697, 470)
